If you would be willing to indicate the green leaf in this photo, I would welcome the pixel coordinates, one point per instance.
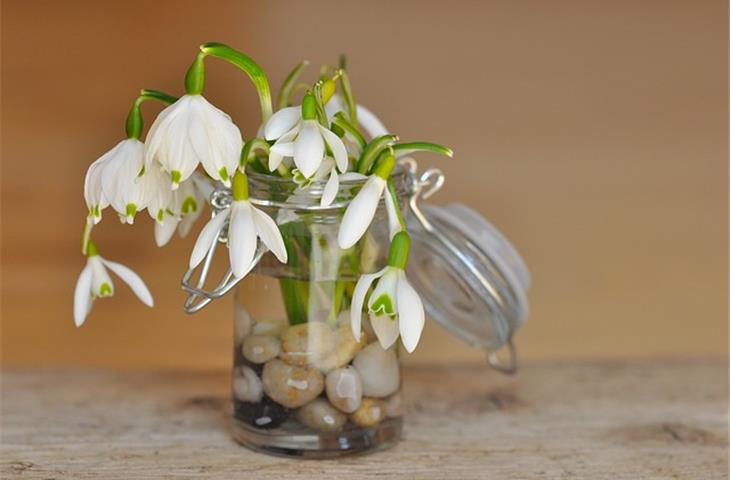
(288, 87)
(249, 67)
(410, 147)
(349, 98)
(341, 121)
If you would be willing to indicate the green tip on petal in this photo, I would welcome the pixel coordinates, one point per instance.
(223, 173)
(240, 186)
(105, 290)
(176, 176)
(383, 305)
(131, 210)
(160, 215)
(400, 248)
(309, 107)
(189, 205)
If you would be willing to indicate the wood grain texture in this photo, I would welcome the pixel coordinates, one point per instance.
(643, 420)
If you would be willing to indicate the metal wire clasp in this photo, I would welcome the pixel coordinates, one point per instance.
(199, 296)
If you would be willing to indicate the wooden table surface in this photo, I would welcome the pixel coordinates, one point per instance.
(634, 420)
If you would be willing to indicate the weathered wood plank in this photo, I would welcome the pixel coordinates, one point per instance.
(593, 420)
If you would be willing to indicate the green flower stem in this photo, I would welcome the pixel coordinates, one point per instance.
(91, 249)
(347, 95)
(385, 164)
(240, 186)
(394, 196)
(135, 124)
(400, 248)
(410, 147)
(372, 150)
(288, 87)
(195, 76)
(249, 67)
(86, 234)
(342, 122)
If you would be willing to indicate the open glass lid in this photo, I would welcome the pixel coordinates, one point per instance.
(471, 279)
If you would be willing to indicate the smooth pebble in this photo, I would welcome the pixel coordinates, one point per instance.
(289, 385)
(379, 370)
(307, 343)
(321, 415)
(371, 412)
(344, 389)
(247, 386)
(261, 348)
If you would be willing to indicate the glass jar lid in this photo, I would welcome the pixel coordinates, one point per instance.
(473, 282)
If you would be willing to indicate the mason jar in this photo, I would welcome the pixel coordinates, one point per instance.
(302, 384)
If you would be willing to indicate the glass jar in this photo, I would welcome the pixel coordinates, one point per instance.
(302, 384)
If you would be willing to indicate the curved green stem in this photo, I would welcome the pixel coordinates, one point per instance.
(288, 87)
(341, 121)
(394, 196)
(410, 147)
(135, 124)
(372, 150)
(249, 67)
(348, 97)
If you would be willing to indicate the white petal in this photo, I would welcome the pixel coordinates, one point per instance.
(93, 192)
(360, 212)
(207, 236)
(386, 287)
(119, 178)
(393, 221)
(358, 299)
(269, 233)
(133, 280)
(330, 189)
(281, 122)
(308, 148)
(158, 132)
(385, 328)
(99, 276)
(165, 230)
(370, 122)
(82, 296)
(352, 176)
(411, 316)
(338, 148)
(241, 238)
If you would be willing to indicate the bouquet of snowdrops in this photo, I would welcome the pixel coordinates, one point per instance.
(317, 135)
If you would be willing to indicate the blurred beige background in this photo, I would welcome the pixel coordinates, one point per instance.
(593, 133)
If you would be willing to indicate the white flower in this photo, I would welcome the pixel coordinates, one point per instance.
(302, 139)
(95, 282)
(119, 178)
(361, 210)
(367, 119)
(184, 209)
(189, 132)
(93, 192)
(245, 223)
(157, 191)
(394, 308)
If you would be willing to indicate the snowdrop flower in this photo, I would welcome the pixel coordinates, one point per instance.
(298, 134)
(245, 223)
(361, 210)
(189, 132)
(367, 119)
(394, 305)
(119, 178)
(185, 207)
(93, 192)
(158, 192)
(95, 282)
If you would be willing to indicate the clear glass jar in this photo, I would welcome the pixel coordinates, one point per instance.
(302, 385)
